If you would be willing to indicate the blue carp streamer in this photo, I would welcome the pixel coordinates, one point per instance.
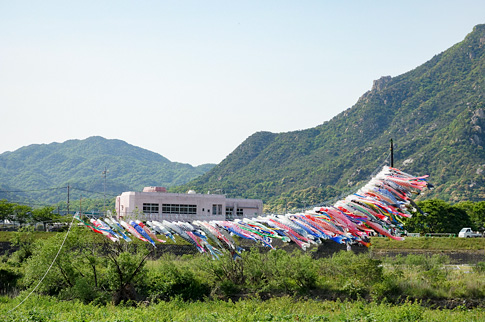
(377, 208)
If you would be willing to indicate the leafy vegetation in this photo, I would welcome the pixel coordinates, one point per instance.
(438, 217)
(94, 279)
(92, 269)
(22, 214)
(250, 310)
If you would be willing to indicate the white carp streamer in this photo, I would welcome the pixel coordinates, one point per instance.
(376, 208)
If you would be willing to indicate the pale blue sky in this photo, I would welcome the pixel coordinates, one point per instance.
(191, 80)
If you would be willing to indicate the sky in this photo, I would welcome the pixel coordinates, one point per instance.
(191, 80)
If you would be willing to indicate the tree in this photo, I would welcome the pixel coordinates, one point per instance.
(43, 215)
(476, 212)
(22, 214)
(6, 210)
(24, 239)
(14, 212)
(124, 271)
(440, 217)
(89, 268)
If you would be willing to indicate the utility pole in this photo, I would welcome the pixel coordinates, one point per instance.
(68, 199)
(104, 201)
(392, 154)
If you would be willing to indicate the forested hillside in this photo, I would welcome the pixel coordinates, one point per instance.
(435, 114)
(42, 172)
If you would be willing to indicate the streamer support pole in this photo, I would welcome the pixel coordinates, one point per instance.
(392, 154)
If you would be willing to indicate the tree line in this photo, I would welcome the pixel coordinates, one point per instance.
(21, 215)
(442, 217)
(439, 216)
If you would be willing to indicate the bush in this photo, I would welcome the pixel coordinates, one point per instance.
(280, 272)
(479, 267)
(85, 291)
(169, 281)
(9, 277)
(387, 290)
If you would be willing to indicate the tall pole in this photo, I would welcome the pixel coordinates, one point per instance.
(68, 199)
(392, 154)
(104, 201)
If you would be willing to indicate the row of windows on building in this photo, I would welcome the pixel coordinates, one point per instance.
(154, 208)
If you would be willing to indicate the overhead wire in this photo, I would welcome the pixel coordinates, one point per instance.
(48, 269)
(32, 190)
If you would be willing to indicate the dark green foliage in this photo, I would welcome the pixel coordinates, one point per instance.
(39, 169)
(476, 212)
(89, 268)
(351, 274)
(480, 267)
(22, 214)
(280, 272)
(435, 114)
(125, 271)
(24, 240)
(6, 210)
(169, 281)
(275, 272)
(440, 217)
(9, 277)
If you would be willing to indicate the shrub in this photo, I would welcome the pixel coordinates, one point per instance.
(387, 290)
(169, 281)
(280, 272)
(9, 277)
(479, 267)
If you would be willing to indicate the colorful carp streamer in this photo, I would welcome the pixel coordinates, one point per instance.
(376, 209)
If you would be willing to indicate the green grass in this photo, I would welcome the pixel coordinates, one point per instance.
(275, 309)
(6, 236)
(429, 243)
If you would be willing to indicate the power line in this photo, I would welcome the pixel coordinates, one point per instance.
(43, 277)
(27, 203)
(32, 190)
(95, 192)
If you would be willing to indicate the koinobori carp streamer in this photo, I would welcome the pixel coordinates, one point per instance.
(375, 209)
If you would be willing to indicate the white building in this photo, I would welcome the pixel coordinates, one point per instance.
(154, 203)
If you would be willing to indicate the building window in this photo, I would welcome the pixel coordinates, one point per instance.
(150, 208)
(179, 209)
(229, 211)
(239, 212)
(217, 209)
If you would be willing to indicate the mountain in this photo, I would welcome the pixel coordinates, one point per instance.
(435, 115)
(41, 172)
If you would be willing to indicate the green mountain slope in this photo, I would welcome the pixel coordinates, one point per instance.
(435, 114)
(37, 169)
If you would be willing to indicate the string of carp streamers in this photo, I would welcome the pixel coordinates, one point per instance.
(377, 208)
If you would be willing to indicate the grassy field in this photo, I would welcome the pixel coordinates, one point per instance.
(6, 236)
(378, 243)
(274, 309)
(296, 287)
(429, 243)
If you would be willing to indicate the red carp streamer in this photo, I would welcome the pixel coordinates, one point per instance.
(376, 209)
